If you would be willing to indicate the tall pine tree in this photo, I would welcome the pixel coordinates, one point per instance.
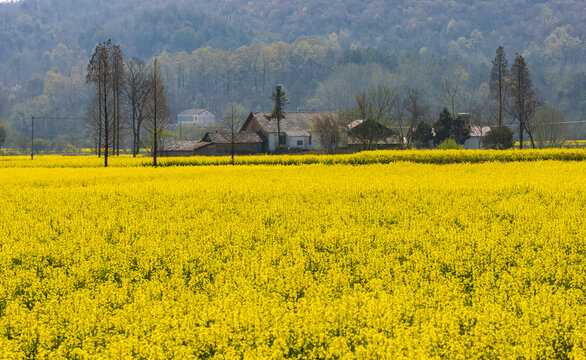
(524, 101)
(279, 98)
(499, 79)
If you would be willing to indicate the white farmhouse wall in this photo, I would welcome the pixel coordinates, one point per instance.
(205, 119)
(293, 142)
(186, 118)
(272, 141)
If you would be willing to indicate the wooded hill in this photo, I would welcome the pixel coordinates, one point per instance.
(145, 28)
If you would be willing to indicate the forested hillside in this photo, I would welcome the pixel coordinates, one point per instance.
(555, 29)
(323, 51)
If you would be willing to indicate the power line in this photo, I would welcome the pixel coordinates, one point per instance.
(555, 123)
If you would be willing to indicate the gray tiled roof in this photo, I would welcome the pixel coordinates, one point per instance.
(355, 123)
(184, 145)
(241, 138)
(293, 124)
(297, 133)
(391, 140)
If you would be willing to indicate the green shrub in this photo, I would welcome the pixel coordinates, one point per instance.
(449, 144)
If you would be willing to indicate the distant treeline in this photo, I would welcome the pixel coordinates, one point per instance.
(317, 77)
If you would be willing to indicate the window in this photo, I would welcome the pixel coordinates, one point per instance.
(309, 142)
(299, 142)
(282, 140)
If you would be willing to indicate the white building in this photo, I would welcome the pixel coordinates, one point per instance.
(197, 117)
(476, 135)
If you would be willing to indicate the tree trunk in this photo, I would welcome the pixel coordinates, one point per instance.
(137, 140)
(531, 138)
(100, 119)
(521, 131)
(106, 124)
(155, 116)
(133, 130)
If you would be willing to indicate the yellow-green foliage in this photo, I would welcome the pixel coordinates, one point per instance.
(393, 261)
(361, 158)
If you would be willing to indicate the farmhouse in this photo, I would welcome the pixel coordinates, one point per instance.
(214, 143)
(371, 135)
(258, 135)
(182, 148)
(198, 117)
(295, 130)
(476, 135)
(244, 143)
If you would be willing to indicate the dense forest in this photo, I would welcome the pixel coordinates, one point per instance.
(323, 51)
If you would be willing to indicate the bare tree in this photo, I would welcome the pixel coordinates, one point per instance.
(159, 118)
(94, 122)
(99, 74)
(416, 112)
(549, 127)
(478, 123)
(3, 100)
(3, 134)
(117, 66)
(399, 118)
(376, 108)
(329, 128)
(450, 96)
(231, 125)
(136, 88)
(524, 100)
(499, 81)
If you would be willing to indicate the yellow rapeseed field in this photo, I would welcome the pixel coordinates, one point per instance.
(398, 261)
(361, 158)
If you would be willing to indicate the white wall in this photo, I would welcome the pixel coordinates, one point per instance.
(186, 118)
(206, 119)
(272, 140)
(292, 142)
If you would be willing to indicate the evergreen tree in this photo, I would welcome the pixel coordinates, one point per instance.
(523, 98)
(448, 127)
(279, 98)
(422, 135)
(499, 77)
(498, 138)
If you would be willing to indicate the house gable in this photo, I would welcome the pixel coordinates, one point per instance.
(371, 132)
(252, 125)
